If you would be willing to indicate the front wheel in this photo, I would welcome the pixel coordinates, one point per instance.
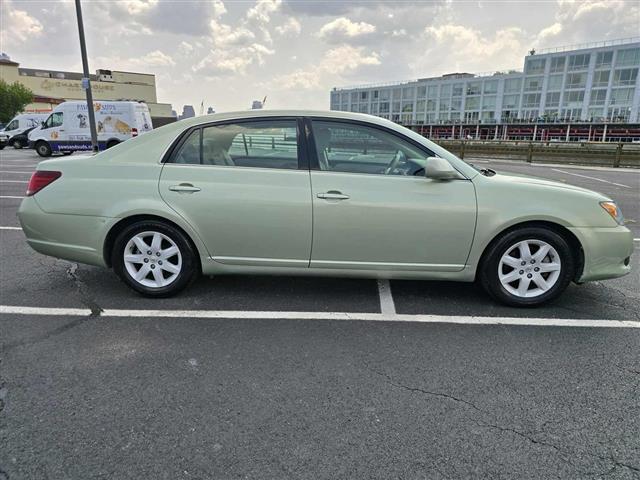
(43, 148)
(527, 267)
(154, 258)
(17, 144)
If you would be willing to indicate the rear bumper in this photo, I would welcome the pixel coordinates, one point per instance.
(606, 252)
(78, 238)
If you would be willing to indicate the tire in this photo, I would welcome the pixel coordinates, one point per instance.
(112, 143)
(17, 144)
(541, 279)
(43, 148)
(184, 269)
(2, 147)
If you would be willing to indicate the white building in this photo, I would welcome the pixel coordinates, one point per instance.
(588, 83)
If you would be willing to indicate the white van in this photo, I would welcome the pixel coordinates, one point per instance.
(12, 134)
(67, 130)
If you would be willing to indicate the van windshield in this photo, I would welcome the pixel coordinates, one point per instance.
(54, 120)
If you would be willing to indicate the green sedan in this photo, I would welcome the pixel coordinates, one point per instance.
(317, 193)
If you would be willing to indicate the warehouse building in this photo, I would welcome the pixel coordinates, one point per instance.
(596, 84)
(51, 87)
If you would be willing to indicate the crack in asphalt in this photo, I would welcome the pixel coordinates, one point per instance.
(85, 298)
(562, 452)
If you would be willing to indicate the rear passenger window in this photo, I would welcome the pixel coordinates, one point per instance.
(189, 151)
(262, 143)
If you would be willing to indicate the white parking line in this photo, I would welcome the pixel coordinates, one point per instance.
(368, 317)
(387, 306)
(10, 228)
(14, 181)
(10, 196)
(13, 171)
(592, 178)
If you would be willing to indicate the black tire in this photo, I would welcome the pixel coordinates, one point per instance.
(43, 148)
(2, 147)
(112, 143)
(67, 153)
(190, 265)
(488, 271)
(17, 144)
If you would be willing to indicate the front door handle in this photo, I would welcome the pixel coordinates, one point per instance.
(333, 195)
(184, 188)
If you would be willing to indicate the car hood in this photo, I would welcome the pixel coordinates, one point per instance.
(516, 178)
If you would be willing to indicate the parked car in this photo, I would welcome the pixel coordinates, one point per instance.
(21, 140)
(13, 133)
(67, 128)
(317, 193)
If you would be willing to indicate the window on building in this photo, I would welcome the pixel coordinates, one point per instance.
(364, 108)
(604, 59)
(512, 85)
(557, 64)
(396, 93)
(445, 104)
(576, 80)
(596, 114)
(530, 100)
(445, 91)
(490, 86)
(619, 114)
(627, 76)
(457, 90)
(431, 105)
(422, 91)
(408, 93)
(601, 78)
(376, 94)
(573, 98)
(407, 106)
(488, 116)
(554, 82)
(535, 65)
(553, 99)
(630, 56)
(533, 84)
(579, 62)
(354, 97)
(472, 103)
(621, 96)
(432, 91)
(489, 102)
(420, 105)
(364, 96)
(456, 104)
(474, 88)
(384, 107)
(598, 97)
(510, 101)
(395, 106)
(344, 147)
(385, 94)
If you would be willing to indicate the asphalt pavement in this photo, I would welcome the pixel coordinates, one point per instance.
(253, 377)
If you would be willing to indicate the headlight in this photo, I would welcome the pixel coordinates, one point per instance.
(613, 210)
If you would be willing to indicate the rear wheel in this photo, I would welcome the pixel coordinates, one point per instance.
(154, 258)
(527, 267)
(112, 143)
(17, 144)
(43, 148)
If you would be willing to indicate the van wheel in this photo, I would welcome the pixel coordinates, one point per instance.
(112, 143)
(2, 147)
(154, 258)
(17, 144)
(43, 148)
(527, 267)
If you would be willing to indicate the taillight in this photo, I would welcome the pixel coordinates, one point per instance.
(40, 179)
(134, 132)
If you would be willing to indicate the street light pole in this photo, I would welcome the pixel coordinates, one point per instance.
(86, 83)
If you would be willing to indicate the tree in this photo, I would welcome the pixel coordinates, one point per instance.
(13, 98)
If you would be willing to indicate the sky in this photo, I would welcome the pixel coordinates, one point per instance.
(228, 53)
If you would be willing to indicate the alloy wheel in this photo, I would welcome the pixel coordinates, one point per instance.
(529, 268)
(152, 259)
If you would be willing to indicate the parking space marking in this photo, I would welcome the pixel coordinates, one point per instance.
(13, 171)
(387, 306)
(10, 228)
(591, 178)
(368, 317)
(10, 196)
(14, 181)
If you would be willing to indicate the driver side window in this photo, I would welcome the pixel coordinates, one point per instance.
(354, 148)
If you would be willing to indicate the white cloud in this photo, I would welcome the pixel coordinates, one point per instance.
(337, 61)
(223, 34)
(342, 29)
(157, 59)
(550, 31)
(17, 26)
(263, 9)
(220, 62)
(291, 27)
(185, 48)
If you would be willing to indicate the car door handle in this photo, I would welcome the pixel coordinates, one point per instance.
(184, 188)
(333, 195)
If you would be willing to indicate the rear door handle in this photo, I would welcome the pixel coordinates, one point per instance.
(333, 195)
(184, 188)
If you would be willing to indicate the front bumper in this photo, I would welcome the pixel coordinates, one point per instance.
(78, 238)
(607, 252)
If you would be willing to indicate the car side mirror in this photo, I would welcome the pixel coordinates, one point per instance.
(439, 169)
